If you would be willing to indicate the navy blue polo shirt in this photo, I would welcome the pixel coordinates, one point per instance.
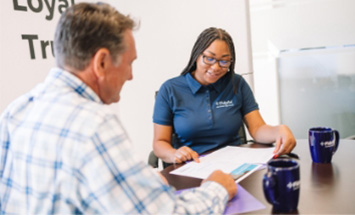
(204, 117)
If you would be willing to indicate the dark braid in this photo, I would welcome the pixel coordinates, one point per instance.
(203, 41)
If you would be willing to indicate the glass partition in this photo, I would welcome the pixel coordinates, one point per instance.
(317, 88)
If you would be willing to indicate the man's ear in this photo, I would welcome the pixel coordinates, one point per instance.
(101, 61)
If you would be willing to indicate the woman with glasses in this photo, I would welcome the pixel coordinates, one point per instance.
(206, 105)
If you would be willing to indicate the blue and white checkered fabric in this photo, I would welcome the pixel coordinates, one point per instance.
(63, 151)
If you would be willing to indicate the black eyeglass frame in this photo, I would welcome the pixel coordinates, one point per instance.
(215, 61)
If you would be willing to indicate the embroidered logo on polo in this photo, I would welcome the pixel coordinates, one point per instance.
(222, 104)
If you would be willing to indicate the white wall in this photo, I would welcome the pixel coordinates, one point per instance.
(19, 73)
(168, 29)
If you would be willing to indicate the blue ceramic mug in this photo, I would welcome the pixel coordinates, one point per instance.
(323, 143)
(281, 185)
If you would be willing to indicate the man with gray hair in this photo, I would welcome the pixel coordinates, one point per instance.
(62, 150)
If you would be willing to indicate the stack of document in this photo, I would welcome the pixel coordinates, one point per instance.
(238, 161)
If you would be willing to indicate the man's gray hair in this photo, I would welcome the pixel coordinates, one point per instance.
(84, 28)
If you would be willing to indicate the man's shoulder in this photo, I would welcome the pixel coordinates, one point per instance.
(17, 105)
(93, 111)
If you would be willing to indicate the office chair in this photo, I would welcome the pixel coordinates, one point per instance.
(153, 160)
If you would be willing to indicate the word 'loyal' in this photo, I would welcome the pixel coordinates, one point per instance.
(36, 6)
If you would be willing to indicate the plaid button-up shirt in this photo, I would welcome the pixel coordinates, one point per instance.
(64, 151)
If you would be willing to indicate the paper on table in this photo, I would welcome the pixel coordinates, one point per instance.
(228, 159)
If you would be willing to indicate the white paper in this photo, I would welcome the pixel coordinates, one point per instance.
(227, 159)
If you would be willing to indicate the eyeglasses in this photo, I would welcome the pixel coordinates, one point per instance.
(212, 61)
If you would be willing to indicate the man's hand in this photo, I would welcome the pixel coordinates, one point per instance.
(225, 180)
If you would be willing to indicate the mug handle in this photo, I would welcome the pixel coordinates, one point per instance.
(269, 184)
(336, 134)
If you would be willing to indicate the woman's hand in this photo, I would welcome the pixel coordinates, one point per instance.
(183, 154)
(263, 133)
(285, 141)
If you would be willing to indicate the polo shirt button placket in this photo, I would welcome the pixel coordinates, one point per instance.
(209, 111)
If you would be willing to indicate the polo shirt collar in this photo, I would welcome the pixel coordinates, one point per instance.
(195, 86)
(192, 83)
